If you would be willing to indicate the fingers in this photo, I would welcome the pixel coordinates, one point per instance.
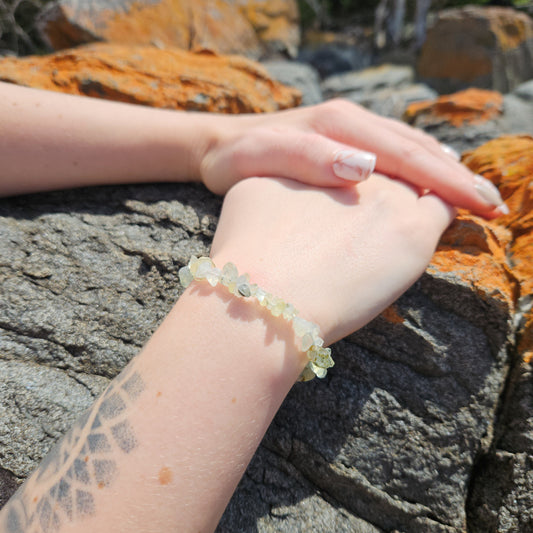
(292, 153)
(408, 154)
(436, 212)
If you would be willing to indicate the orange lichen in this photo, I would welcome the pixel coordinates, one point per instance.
(227, 27)
(391, 315)
(508, 163)
(172, 79)
(470, 106)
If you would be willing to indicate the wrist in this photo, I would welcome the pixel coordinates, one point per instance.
(240, 287)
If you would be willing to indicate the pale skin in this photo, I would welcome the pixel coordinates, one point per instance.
(166, 445)
(52, 141)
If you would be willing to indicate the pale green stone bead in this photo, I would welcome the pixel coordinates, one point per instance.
(186, 278)
(319, 371)
(307, 342)
(267, 300)
(320, 356)
(289, 312)
(278, 305)
(260, 295)
(244, 289)
(253, 289)
(301, 326)
(229, 273)
(204, 266)
(213, 276)
(307, 374)
(193, 264)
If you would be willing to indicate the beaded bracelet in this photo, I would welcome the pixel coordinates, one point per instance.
(203, 268)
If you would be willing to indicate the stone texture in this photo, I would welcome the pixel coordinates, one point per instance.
(395, 438)
(332, 53)
(299, 75)
(502, 488)
(173, 79)
(466, 107)
(387, 90)
(469, 118)
(250, 27)
(487, 47)
(368, 80)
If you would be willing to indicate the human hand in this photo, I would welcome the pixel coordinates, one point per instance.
(311, 144)
(339, 255)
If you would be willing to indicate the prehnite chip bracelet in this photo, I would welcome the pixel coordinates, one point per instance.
(203, 269)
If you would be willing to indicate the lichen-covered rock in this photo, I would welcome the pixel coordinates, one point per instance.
(395, 438)
(173, 79)
(487, 47)
(502, 489)
(469, 118)
(250, 27)
(465, 107)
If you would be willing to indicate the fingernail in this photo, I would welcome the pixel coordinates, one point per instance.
(354, 165)
(490, 194)
(451, 152)
(503, 209)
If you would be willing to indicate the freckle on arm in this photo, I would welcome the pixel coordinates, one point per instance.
(165, 476)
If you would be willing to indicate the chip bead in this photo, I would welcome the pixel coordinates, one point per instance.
(319, 357)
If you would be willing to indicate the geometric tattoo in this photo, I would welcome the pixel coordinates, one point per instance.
(80, 464)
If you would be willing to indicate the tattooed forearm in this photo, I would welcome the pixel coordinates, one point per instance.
(84, 461)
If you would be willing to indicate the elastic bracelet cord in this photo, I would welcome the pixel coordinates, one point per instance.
(203, 268)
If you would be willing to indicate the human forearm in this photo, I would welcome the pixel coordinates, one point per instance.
(190, 411)
(51, 141)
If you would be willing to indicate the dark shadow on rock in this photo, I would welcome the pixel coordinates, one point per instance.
(386, 441)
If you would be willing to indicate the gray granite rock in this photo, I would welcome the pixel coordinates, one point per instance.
(386, 90)
(388, 441)
(392, 102)
(300, 75)
(501, 497)
(366, 81)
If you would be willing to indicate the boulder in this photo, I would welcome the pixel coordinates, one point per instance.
(299, 75)
(395, 438)
(469, 118)
(170, 78)
(472, 106)
(486, 47)
(502, 485)
(333, 53)
(386, 90)
(360, 82)
(250, 27)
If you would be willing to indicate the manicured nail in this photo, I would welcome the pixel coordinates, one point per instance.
(503, 209)
(354, 165)
(451, 152)
(490, 194)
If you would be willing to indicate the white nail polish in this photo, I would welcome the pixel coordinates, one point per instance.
(451, 152)
(488, 191)
(354, 165)
(503, 209)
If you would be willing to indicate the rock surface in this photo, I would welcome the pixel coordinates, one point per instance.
(387, 89)
(403, 433)
(250, 27)
(299, 75)
(469, 118)
(173, 79)
(486, 47)
(501, 497)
